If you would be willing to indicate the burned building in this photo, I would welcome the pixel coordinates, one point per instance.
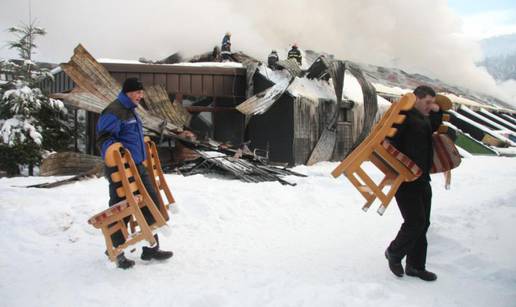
(288, 110)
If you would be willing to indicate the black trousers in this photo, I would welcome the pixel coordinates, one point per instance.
(118, 237)
(414, 200)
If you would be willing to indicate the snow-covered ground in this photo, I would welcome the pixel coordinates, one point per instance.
(241, 244)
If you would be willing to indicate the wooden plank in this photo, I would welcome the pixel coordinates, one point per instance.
(185, 86)
(119, 76)
(134, 75)
(160, 79)
(147, 79)
(173, 83)
(207, 85)
(228, 85)
(196, 86)
(218, 84)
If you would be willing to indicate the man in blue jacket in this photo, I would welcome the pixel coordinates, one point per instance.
(119, 122)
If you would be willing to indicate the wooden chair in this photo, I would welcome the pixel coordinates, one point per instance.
(153, 165)
(395, 166)
(136, 197)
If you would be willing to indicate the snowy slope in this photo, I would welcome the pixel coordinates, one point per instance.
(240, 244)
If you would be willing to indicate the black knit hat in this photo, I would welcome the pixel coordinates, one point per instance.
(131, 85)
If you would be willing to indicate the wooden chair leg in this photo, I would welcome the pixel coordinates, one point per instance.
(369, 196)
(123, 228)
(144, 227)
(370, 183)
(109, 243)
(394, 188)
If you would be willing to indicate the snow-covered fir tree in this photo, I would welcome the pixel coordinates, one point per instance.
(30, 122)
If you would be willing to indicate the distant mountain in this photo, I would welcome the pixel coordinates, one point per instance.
(501, 67)
(499, 45)
(500, 56)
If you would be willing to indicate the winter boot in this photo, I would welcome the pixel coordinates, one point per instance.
(394, 264)
(124, 263)
(423, 274)
(149, 253)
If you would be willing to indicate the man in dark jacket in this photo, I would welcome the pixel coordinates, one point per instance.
(119, 122)
(295, 54)
(272, 60)
(414, 139)
(225, 50)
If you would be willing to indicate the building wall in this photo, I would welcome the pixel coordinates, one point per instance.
(273, 130)
(228, 126)
(310, 120)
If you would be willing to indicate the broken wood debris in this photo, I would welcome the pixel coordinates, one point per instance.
(96, 88)
(95, 172)
(159, 104)
(243, 169)
(68, 163)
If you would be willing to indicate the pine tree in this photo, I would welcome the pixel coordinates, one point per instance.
(30, 122)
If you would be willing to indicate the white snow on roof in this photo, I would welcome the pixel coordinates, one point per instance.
(498, 118)
(451, 126)
(462, 100)
(210, 64)
(312, 88)
(198, 64)
(392, 90)
(483, 128)
(118, 61)
(509, 151)
(383, 106)
(485, 119)
(56, 70)
(352, 89)
(508, 118)
(276, 76)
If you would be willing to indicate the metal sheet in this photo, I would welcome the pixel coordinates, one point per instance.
(261, 102)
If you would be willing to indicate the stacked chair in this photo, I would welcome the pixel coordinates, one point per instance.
(115, 218)
(395, 167)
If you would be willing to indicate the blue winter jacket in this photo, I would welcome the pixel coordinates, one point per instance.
(120, 123)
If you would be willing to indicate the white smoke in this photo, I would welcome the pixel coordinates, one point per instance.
(422, 36)
(418, 36)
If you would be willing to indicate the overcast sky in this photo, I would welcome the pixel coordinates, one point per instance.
(433, 37)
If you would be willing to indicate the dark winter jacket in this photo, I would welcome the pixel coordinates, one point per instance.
(414, 139)
(119, 122)
(273, 59)
(294, 53)
(226, 43)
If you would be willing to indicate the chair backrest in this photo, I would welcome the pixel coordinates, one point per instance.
(382, 129)
(153, 165)
(127, 173)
